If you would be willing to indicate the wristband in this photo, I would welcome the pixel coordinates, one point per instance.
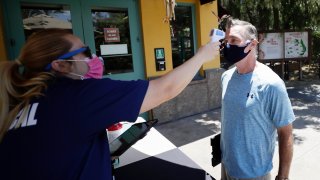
(281, 178)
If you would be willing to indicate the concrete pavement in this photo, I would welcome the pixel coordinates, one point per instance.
(192, 134)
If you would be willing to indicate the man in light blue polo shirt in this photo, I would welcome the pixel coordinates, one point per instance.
(255, 108)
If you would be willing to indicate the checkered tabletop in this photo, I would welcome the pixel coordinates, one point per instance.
(155, 157)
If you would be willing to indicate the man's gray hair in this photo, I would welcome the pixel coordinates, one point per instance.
(250, 30)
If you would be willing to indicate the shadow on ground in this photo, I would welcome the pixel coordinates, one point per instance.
(190, 129)
(305, 99)
(304, 96)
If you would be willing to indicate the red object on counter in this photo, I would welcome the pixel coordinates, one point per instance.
(115, 127)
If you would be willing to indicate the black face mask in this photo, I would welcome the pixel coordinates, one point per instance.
(234, 53)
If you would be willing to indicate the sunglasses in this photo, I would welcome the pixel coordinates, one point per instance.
(85, 50)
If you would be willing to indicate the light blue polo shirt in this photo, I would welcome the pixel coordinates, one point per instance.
(254, 105)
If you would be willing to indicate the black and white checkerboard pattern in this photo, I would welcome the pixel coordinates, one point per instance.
(155, 157)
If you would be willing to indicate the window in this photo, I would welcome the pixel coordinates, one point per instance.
(38, 17)
(182, 35)
(112, 39)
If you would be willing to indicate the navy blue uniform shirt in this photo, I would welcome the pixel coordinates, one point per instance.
(63, 136)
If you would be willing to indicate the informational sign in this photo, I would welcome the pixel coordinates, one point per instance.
(270, 46)
(296, 44)
(283, 45)
(111, 35)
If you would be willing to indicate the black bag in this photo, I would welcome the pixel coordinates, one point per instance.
(216, 151)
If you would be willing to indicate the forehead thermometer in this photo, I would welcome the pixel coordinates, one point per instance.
(216, 35)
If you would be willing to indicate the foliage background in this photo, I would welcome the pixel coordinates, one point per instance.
(278, 15)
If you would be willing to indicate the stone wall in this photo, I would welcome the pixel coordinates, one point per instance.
(199, 96)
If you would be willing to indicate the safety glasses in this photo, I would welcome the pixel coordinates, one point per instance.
(85, 50)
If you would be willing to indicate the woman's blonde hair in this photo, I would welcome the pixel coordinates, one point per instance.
(18, 88)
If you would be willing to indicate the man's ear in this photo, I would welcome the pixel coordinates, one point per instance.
(253, 44)
(60, 66)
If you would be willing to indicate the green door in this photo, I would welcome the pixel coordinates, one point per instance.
(111, 28)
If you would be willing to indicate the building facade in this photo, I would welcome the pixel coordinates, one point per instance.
(135, 38)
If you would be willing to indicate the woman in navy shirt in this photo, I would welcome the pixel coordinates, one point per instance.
(53, 115)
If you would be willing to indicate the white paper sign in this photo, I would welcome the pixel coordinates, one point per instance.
(270, 46)
(112, 49)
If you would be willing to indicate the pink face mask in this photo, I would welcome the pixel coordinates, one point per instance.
(95, 66)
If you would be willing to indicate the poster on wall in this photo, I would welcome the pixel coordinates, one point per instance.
(296, 44)
(270, 46)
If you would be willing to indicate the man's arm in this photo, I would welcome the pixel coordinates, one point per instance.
(285, 151)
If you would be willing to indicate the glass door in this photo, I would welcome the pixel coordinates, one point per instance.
(110, 28)
(113, 27)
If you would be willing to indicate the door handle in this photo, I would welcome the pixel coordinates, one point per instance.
(12, 42)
